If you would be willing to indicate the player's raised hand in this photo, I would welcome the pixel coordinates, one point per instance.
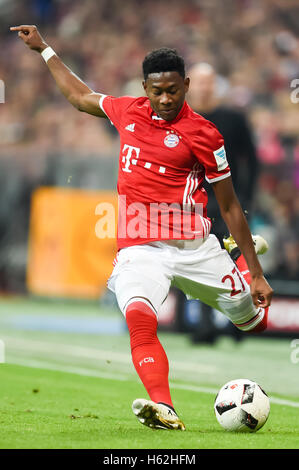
(31, 37)
(261, 292)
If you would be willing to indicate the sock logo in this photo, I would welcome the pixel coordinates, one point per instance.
(145, 360)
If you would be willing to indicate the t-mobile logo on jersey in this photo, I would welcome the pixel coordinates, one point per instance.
(145, 360)
(128, 153)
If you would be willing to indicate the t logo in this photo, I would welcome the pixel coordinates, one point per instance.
(131, 151)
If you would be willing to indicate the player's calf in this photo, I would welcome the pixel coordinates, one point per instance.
(148, 355)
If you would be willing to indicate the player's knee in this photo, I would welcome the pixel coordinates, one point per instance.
(142, 324)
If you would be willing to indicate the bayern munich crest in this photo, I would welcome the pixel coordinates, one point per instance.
(171, 140)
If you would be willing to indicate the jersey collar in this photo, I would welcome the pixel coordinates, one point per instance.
(156, 120)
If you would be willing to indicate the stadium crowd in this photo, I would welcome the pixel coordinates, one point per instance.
(252, 44)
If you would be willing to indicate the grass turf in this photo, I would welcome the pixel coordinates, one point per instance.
(42, 409)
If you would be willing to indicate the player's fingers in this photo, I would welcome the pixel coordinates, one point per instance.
(264, 300)
(26, 29)
(255, 300)
(22, 26)
(254, 296)
(262, 303)
(260, 300)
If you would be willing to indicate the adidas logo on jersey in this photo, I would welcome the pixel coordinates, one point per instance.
(131, 127)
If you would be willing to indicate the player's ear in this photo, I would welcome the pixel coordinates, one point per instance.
(144, 85)
(186, 84)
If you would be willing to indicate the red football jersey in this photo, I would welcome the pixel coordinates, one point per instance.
(162, 166)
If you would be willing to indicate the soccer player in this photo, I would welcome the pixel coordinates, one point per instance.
(166, 152)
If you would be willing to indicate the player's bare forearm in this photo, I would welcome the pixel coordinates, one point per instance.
(72, 87)
(240, 231)
(236, 222)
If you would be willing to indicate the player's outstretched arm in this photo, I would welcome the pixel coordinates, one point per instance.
(73, 88)
(236, 222)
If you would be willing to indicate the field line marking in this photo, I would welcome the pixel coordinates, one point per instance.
(93, 373)
(40, 364)
(93, 353)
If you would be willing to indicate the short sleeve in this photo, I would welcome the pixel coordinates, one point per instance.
(115, 108)
(209, 149)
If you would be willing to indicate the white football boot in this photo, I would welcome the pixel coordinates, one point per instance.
(260, 244)
(156, 415)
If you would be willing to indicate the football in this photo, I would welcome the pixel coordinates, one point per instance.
(241, 405)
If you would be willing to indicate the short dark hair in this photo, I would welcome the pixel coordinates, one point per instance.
(163, 60)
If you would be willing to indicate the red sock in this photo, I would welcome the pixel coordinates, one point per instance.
(262, 325)
(243, 268)
(148, 355)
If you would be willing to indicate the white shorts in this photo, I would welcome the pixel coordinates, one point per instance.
(206, 273)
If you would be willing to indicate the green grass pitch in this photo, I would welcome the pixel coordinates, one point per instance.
(44, 409)
(65, 388)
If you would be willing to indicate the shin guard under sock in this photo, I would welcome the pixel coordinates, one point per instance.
(148, 355)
